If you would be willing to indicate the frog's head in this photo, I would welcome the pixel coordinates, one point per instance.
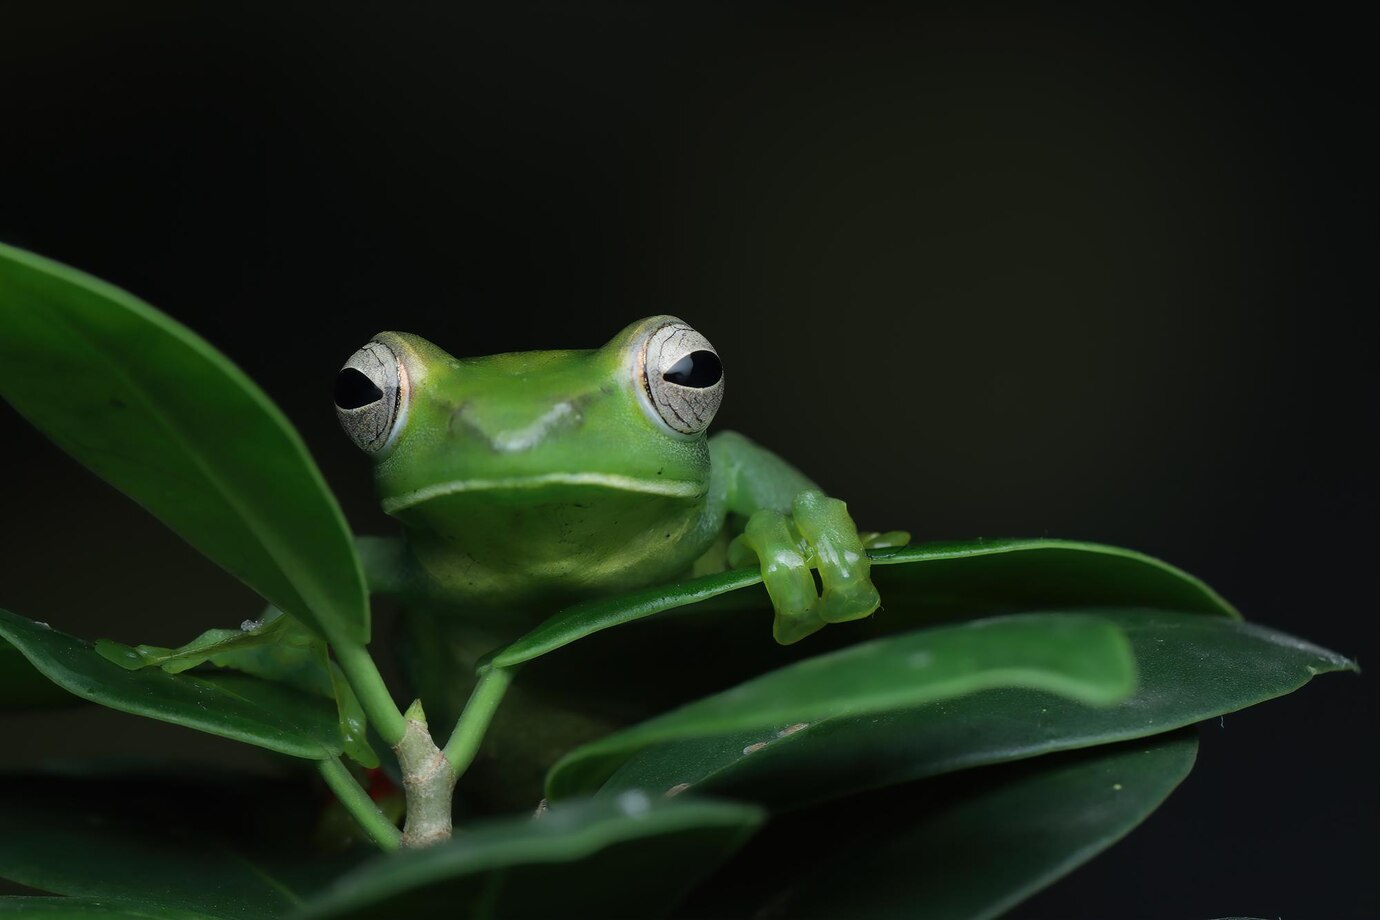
(464, 443)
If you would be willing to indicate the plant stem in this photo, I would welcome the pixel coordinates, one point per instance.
(474, 721)
(428, 783)
(368, 685)
(358, 804)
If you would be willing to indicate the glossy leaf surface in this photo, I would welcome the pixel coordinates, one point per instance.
(626, 857)
(969, 847)
(230, 848)
(1083, 658)
(22, 686)
(930, 580)
(1190, 668)
(154, 410)
(231, 705)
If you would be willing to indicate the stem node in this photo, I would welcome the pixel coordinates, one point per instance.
(428, 781)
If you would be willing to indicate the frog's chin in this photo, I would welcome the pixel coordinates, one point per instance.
(673, 488)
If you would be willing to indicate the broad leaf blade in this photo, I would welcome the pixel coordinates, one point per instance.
(1083, 658)
(932, 580)
(960, 578)
(1191, 668)
(157, 412)
(231, 705)
(22, 686)
(627, 857)
(974, 846)
(227, 847)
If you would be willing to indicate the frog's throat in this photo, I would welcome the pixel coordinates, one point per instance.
(676, 488)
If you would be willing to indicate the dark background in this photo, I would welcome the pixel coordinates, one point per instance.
(980, 273)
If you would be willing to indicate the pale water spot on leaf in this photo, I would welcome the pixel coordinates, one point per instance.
(1116, 787)
(677, 789)
(752, 748)
(920, 659)
(634, 803)
(42, 624)
(792, 729)
(250, 625)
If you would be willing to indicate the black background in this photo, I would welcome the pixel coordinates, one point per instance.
(1094, 275)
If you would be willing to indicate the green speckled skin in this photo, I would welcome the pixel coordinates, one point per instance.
(531, 479)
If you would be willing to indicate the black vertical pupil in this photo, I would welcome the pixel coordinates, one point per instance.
(697, 369)
(353, 389)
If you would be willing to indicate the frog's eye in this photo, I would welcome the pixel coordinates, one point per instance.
(683, 377)
(369, 396)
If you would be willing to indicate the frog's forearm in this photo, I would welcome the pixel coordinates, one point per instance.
(753, 478)
(793, 526)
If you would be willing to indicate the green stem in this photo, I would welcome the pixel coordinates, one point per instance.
(358, 804)
(373, 694)
(474, 721)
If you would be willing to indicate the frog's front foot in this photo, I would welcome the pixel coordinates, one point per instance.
(818, 534)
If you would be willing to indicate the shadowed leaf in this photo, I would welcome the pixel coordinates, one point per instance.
(1083, 658)
(1190, 668)
(231, 705)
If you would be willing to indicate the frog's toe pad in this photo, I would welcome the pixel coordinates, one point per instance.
(787, 629)
(854, 603)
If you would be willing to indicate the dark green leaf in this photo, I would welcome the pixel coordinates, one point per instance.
(157, 412)
(1009, 575)
(933, 580)
(232, 705)
(22, 686)
(1083, 658)
(625, 857)
(973, 846)
(225, 847)
(1191, 668)
(90, 909)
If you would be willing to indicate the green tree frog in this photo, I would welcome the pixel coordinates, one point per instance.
(529, 479)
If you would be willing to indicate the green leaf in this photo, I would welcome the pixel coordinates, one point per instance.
(1086, 659)
(158, 413)
(277, 648)
(1191, 668)
(231, 705)
(22, 686)
(211, 645)
(215, 845)
(625, 857)
(973, 846)
(979, 576)
(90, 909)
(935, 580)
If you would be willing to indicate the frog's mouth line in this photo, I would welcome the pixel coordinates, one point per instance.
(675, 488)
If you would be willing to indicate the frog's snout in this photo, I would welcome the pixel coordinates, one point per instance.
(506, 434)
